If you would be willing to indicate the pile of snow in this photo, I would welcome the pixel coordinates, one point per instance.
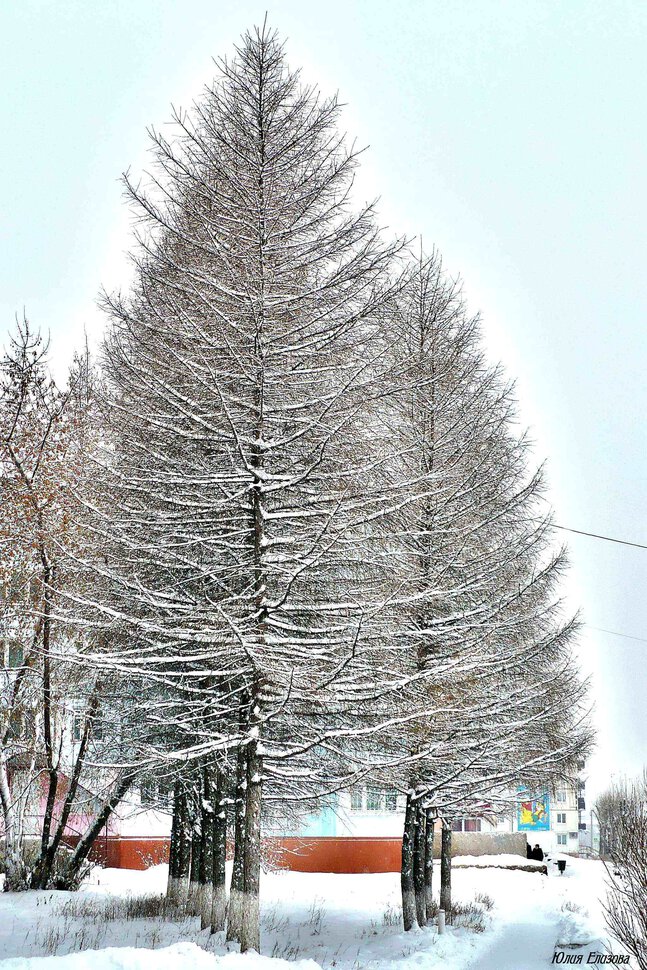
(181, 956)
(503, 861)
(576, 928)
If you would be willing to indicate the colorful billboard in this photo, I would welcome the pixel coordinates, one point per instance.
(534, 814)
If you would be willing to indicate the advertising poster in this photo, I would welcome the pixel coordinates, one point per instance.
(534, 814)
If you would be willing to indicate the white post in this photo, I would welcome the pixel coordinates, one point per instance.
(441, 921)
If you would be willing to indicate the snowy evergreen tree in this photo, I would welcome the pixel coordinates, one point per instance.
(240, 371)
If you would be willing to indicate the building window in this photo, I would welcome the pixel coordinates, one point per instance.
(356, 799)
(373, 800)
(15, 655)
(390, 801)
(77, 725)
(561, 840)
(560, 796)
(22, 726)
(466, 825)
(155, 793)
(561, 818)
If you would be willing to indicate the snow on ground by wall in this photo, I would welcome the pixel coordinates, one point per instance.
(503, 861)
(310, 920)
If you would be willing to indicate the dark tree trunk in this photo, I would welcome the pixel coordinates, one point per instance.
(429, 865)
(250, 928)
(219, 889)
(419, 864)
(184, 849)
(172, 887)
(406, 870)
(71, 875)
(446, 871)
(52, 770)
(206, 856)
(234, 921)
(193, 902)
(42, 875)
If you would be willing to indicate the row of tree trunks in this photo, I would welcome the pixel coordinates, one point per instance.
(416, 874)
(198, 851)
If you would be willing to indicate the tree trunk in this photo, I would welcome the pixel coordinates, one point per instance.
(419, 864)
(206, 858)
(71, 875)
(250, 937)
(429, 865)
(52, 770)
(406, 870)
(446, 871)
(16, 879)
(184, 850)
(235, 919)
(42, 875)
(172, 886)
(219, 889)
(193, 899)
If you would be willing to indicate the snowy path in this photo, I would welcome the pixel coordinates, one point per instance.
(528, 946)
(521, 946)
(555, 909)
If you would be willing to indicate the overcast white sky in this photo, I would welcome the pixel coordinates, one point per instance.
(509, 134)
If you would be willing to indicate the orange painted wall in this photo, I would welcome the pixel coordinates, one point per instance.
(136, 853)
(322, 854)
(116, 852)
(331, 854)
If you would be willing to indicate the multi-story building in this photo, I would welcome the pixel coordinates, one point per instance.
(557, 821)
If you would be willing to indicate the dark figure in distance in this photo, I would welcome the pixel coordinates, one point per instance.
(537, 853)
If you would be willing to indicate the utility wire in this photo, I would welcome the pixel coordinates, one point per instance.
(594, 535)
(621, 542)
(614, 633)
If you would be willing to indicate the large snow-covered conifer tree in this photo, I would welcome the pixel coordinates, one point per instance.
(239, 371)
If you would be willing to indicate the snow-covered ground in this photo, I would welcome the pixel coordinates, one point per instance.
(309, 921)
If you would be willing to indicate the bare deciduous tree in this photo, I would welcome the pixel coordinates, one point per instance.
(622, 815)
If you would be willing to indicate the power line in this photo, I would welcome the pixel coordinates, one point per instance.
(594, 535)
(614, 633)
(621, 542)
